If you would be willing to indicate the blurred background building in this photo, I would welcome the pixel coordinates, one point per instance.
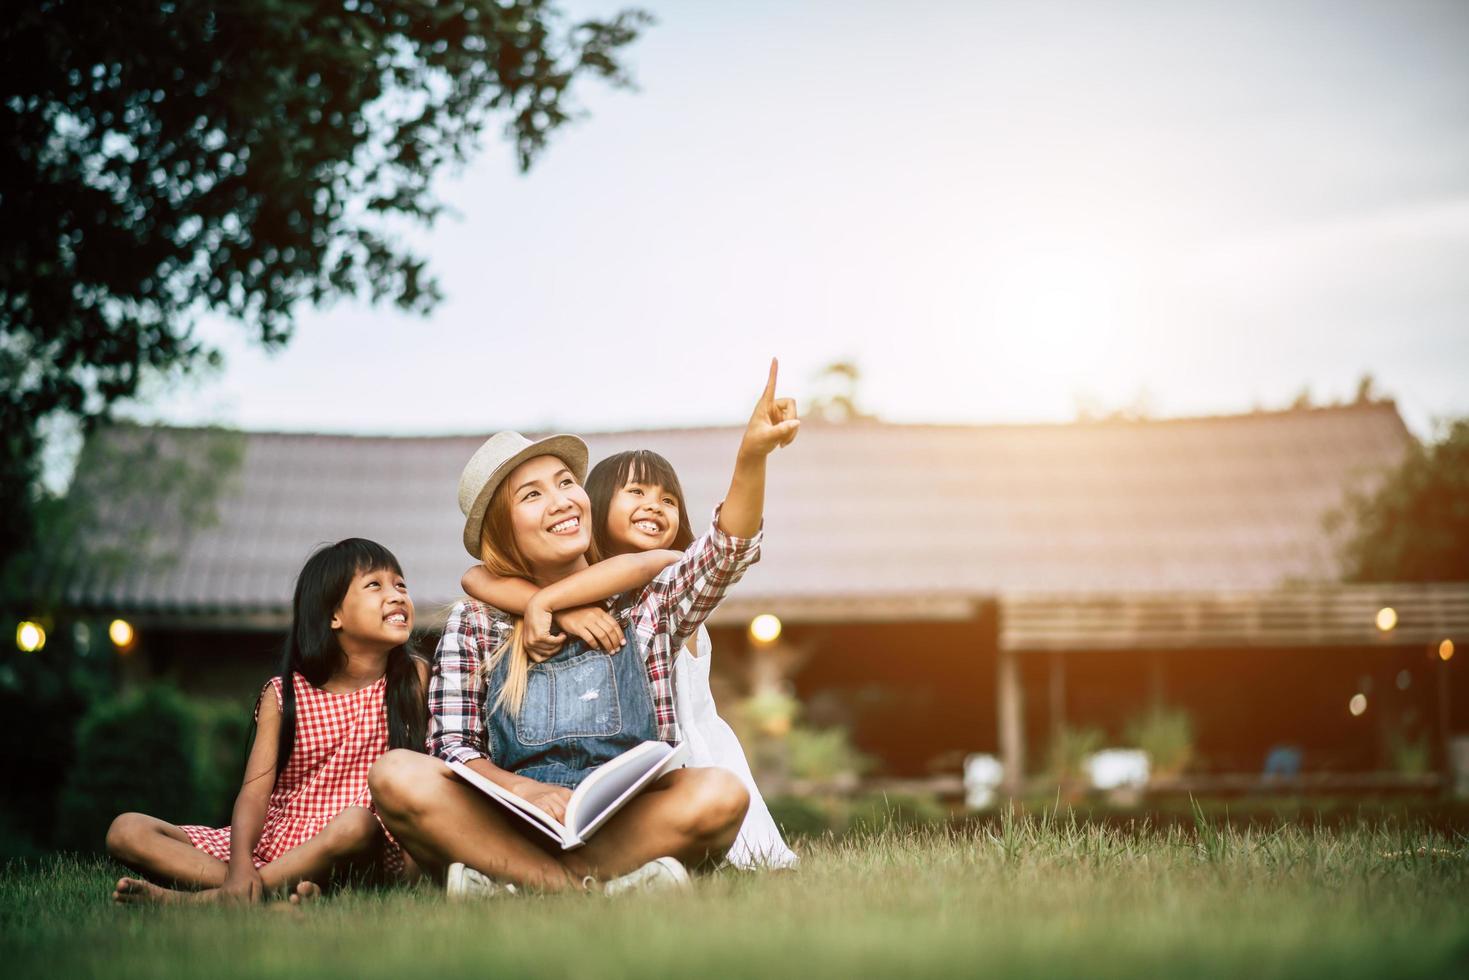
(1036, 592)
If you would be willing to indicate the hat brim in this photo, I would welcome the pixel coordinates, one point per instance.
(567, 448)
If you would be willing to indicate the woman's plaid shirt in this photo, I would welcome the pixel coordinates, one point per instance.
(665, 614)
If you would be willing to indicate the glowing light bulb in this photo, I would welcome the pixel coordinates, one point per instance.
(122, 634)
(1387, 618)
(29, 637)
(1446, 650)
(1357, 705)
(765, 629)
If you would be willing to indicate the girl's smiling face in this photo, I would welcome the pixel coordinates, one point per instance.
(376, 611)
(642, 517)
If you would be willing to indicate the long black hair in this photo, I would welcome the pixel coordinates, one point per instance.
(313, 651)
(633, 466)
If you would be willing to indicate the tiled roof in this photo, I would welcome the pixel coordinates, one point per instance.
(854, 510)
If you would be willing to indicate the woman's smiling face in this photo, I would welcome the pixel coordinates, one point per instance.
(642, 517)
(549, 512)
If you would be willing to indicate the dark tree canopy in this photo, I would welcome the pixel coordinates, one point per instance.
(169, 158)
(1415, 527)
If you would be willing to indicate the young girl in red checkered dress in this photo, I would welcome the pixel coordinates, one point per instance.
(348, 690)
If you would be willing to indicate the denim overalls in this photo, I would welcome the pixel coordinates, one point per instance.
(581, 709)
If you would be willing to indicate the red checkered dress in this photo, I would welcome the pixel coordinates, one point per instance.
(338, 738)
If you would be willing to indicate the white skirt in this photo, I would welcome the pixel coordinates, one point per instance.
(712, 742)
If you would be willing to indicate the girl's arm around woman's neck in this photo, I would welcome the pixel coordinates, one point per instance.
(604, 580)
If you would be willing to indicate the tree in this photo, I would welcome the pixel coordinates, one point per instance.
(1415, 526)
(835, 398)
(170, 158)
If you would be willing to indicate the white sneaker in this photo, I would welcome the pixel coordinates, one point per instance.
(464, 883)
(664, 874)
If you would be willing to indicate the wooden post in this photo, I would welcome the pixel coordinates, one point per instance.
(1012, 731)
(1156, 692)
(1058, 694)
(1445, 724)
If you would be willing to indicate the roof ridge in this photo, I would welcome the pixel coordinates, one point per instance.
(1384, 405)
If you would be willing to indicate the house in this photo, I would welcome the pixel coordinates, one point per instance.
(943, 589)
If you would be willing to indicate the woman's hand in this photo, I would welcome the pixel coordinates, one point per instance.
(551, 799)
(773, 423)
(538, 634)
(594, 626)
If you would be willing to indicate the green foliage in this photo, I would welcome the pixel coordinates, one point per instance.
(1067, 754)
(42, 696)
(1415, 526)
(866, 814)
(164, 160)
(1410, 756)
(800, 816)
(1167, 736)
(876, 815)
(223, 733)
(151, 751)
(138, 493)
(129, 478)
(824, 754)
(836, 399)
(780, 748)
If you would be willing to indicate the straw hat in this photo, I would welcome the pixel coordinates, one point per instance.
(493, 461)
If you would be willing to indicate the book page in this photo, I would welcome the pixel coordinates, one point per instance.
(533, 815)
(605, 791)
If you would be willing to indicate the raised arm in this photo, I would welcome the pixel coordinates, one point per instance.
(681, 598)
(670, 609)
(772, 424)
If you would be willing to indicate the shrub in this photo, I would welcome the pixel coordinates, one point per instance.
(799, 817)
(151, 751)
(1068, 752)
(824, 755)
(1167, 736)
(876, 814)
(869, 813)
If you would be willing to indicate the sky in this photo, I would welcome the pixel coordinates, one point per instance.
(1001, 211)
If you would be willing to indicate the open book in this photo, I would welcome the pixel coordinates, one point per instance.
(598, 797)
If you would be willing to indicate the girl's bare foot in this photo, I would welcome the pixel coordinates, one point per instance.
(135, 891)
(305, 892)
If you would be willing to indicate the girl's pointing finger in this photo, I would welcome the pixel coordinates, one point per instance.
(769, 393)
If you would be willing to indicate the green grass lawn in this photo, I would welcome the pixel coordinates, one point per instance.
(1030, 896)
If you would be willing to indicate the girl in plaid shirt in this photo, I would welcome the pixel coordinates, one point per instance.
(348, 691)
(528, 517)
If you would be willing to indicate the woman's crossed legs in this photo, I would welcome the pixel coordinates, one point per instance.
(690, 814)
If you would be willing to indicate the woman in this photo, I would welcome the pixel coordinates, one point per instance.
(527, 513)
